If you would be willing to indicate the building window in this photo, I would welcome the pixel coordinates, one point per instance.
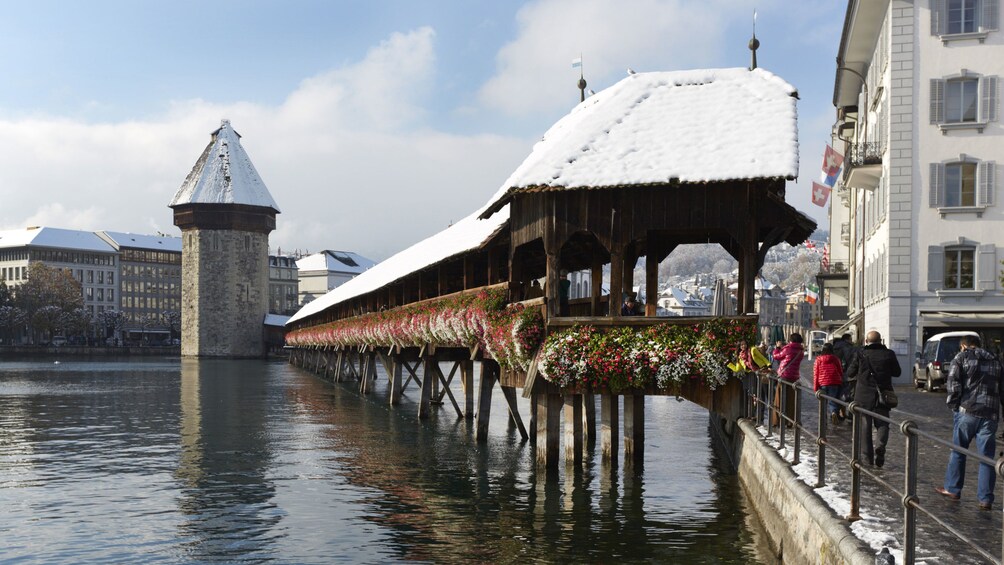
(959, 268)
(111, 277)
(966, 183)
(964, 100)
(963, 17)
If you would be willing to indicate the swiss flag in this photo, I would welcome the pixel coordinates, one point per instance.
(820, 194)
(831, 166)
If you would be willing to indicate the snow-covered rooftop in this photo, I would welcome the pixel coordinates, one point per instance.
(694, 126)
(469, 233)
(55, 238)
(224, 174)
(138, 241)
(335, 261)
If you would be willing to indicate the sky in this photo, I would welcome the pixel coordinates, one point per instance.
(374, 124)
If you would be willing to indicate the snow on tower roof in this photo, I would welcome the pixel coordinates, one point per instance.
(694, 126)
(224, 174)
(55, 238)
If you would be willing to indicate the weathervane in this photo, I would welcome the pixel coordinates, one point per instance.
(754, 42)
(577, 63)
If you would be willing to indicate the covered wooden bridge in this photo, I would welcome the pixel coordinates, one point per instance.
(656, 161)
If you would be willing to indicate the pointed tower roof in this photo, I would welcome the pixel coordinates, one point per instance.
(224, 175)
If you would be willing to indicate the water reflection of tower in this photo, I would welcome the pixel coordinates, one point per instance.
(226, 497)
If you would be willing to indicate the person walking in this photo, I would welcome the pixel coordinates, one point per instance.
(974, 395)
(873, 368)
(843, 348)
(789, 359)
(828, 376)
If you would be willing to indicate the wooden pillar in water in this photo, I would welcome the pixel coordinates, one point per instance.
(489, 376)
(609, 426)
(548, 426)
(395, 380)
(428, 376)
(467, 381)
(634, 428)
(589, 418)
(573, 429)
(510, 398)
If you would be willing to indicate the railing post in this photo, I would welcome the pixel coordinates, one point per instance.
(782, 404)
(855, 463)
(910, 493)
(821, 441)
(769, 408)
(797, 426)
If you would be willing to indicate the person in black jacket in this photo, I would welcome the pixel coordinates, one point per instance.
(873, 368)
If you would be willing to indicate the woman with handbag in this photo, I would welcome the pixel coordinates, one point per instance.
(874, 366)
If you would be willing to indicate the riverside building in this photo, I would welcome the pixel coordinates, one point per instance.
(917, 216)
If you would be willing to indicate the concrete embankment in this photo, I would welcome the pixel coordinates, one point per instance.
(68, 351)
(802, 528)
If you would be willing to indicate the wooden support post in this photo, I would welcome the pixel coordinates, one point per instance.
(573, 430)
(552, 286)
(596, 274)
(489, 376)
(510, 398)
(395, 381)
(589, 418)
(533, 417)
(446, 387)
(634, 428)
(609, 426)
(339, 365)
(548, 429)
(467, 380)
(428, 377)
(651, 282)
(469, 281)
(616, 281)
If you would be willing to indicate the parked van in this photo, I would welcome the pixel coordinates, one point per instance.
(931, 369)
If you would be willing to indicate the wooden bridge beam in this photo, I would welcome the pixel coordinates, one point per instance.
(489, 376)
(510, 398)
(634, 428)
(548, 426)
(609, 426)
(467, 380)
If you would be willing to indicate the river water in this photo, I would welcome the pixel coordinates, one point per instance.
(165, 461)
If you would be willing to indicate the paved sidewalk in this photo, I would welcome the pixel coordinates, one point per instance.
(883, 510)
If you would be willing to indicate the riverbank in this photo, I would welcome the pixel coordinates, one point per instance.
(77, 351)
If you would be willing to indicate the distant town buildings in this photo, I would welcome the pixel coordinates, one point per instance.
(327, 270)
(283, 285)
(149, 285)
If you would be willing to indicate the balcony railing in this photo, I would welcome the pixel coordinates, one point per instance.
(866, 153)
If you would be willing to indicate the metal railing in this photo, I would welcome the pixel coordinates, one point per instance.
(762, 395)
(865, 153)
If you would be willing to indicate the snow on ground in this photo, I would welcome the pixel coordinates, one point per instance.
(875, 530)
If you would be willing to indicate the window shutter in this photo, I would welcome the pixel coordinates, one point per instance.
(935, 267)
(986, 173)
(986, 266)
(937, 16)
(988, 102)
(937, 101)
(937, 185)
(990, 15)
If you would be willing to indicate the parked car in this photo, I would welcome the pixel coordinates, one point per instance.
(931, 368)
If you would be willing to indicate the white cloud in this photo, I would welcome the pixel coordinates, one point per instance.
(534, 70)
(346, 156)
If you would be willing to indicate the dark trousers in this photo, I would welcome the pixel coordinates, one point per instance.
(877, 428)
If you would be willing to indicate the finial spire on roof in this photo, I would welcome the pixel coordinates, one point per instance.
(754, 43)
(582, 81)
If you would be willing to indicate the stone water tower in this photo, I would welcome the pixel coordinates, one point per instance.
(225, 213)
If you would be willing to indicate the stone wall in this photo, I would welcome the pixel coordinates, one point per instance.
(801, 526)
(224, 299)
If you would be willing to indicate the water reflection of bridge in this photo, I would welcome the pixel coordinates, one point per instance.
(657, 161)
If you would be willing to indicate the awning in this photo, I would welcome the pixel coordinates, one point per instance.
(978, 318)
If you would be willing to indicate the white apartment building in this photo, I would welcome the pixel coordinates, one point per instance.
(91, 260)
(917, 97)
(320, 272)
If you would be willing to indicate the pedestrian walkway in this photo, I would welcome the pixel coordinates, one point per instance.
(882, 510)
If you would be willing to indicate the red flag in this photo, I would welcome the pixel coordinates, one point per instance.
(820, 194)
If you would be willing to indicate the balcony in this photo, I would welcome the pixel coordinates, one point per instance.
(863, 165)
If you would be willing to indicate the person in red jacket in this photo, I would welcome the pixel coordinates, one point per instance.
(789, 358)
(828, 375)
